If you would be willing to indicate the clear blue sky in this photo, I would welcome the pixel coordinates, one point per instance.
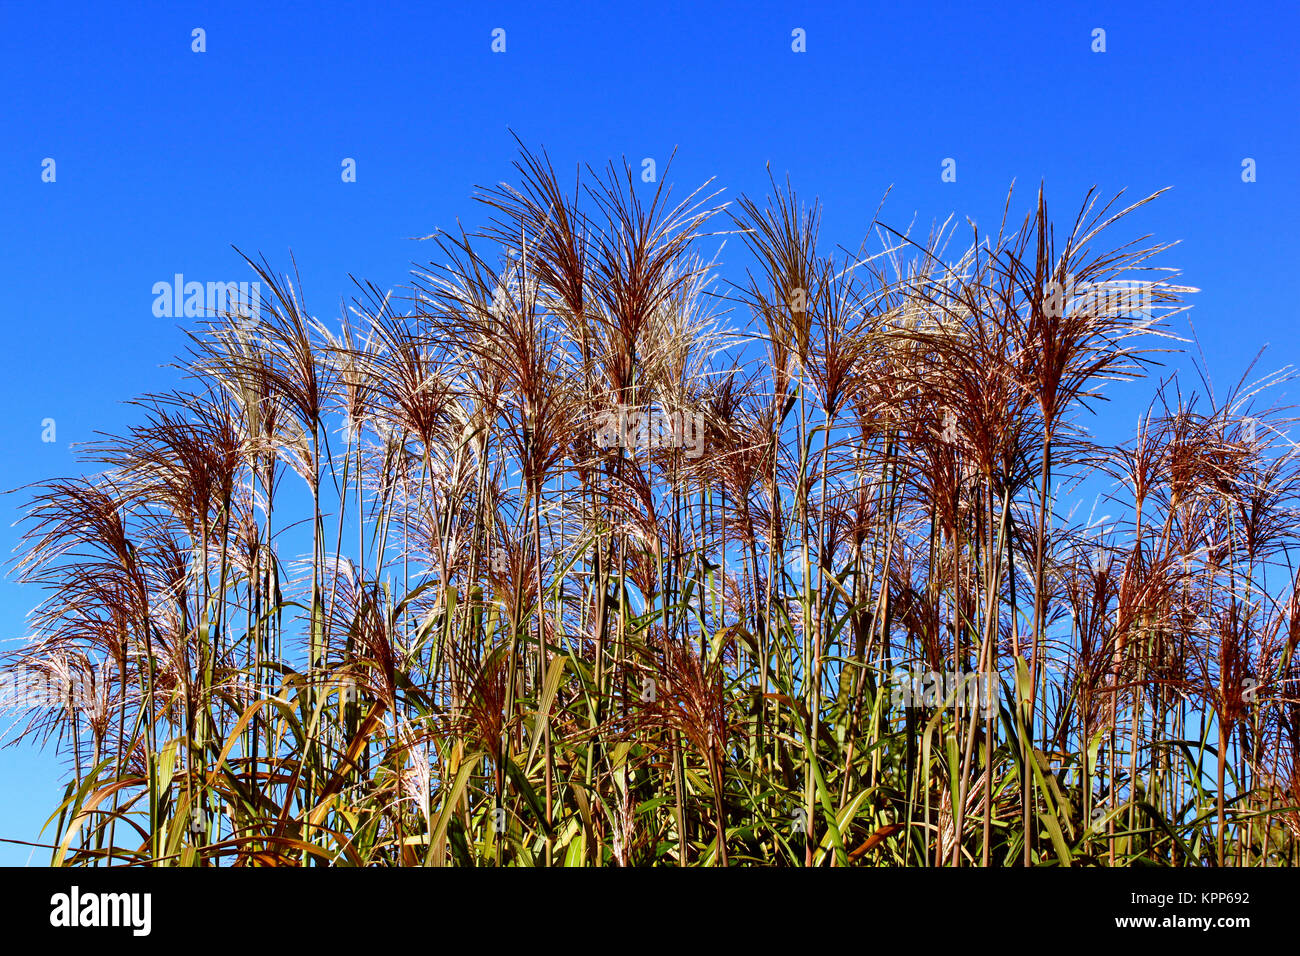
(166, 157)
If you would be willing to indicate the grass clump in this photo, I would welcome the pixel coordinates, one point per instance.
(575, 554)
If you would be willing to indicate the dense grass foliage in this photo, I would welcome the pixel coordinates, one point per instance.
(574, 553)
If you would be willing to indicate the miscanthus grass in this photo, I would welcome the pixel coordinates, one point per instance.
(574, 553)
